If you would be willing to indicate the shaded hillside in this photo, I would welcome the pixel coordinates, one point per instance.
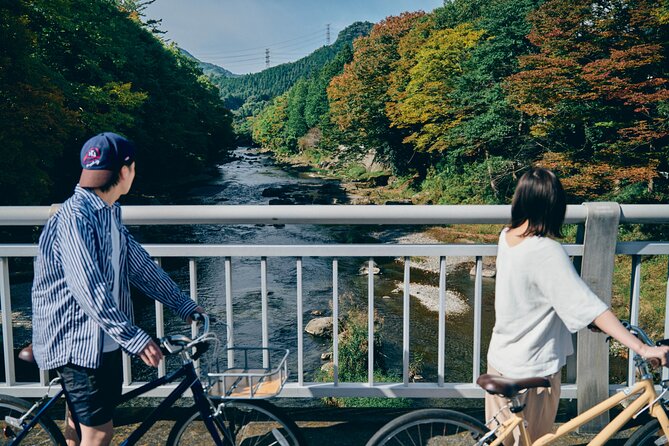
(64, 78)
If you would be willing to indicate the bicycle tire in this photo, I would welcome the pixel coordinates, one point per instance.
(45, 432)
(430, 426)
(242, 423)
(647, 435)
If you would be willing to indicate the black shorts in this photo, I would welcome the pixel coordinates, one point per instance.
(92, 394)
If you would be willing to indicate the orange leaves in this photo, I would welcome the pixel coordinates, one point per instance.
(588, 179)
(357, 97)
(597, 61)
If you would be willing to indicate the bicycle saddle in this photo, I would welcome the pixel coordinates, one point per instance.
(507, 387)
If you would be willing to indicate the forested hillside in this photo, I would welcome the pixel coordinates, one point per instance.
(458, 101)
(70, 69)
(248, 94)
(208, 69)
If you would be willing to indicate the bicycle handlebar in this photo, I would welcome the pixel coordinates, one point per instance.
(643, 336)
(639, 333)
(172, 344)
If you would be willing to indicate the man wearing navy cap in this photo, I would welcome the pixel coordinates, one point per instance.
(82, 311)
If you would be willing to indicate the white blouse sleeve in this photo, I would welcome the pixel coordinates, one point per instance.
(573, 301)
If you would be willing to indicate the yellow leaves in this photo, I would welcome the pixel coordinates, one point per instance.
(424, 103)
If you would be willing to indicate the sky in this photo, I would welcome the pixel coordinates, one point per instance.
(235, 34)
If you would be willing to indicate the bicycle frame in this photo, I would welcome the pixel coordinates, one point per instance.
(190, 380)
(644, 390)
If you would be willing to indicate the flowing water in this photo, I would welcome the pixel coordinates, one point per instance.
(253, 178)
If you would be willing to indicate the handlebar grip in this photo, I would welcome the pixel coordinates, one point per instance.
(654, 363)
(663, 342)
(202, 318)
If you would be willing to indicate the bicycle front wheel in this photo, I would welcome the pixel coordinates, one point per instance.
(45, 432)
(433, 427)
(650, 434)
(240, 423)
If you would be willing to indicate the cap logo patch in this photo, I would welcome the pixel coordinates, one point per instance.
(92, 157)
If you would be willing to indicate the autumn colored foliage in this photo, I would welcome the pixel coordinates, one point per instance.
(467, 96)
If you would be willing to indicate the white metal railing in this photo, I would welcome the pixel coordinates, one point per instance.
(418, 215)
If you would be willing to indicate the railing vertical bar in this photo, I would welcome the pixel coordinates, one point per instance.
(335, 321)
(635, 293)
(7, 330)
(665, 371)
(44, 377)
(160, 326)
(192, 282)
(441, 362)
(405, 319)
(370, 322)
(127, 369)
(229, 317)
(300, 329)
(265, 312)
(478, 303)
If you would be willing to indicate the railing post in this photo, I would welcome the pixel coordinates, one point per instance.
(599, 247)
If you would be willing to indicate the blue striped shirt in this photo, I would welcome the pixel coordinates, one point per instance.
(72, 291)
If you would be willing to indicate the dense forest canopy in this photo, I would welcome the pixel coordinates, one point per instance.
(72, 68)
(248, 94)
(460, 100)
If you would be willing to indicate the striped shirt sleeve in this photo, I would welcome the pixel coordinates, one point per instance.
(153, 281)
(81, 267)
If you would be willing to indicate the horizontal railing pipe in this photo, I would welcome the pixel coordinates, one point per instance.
(340, 215)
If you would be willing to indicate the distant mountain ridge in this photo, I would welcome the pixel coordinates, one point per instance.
(250, 91)
(209, 69)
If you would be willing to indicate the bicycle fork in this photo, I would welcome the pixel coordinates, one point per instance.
(20, 423)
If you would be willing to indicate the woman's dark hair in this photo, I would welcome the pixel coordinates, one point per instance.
(540, 200)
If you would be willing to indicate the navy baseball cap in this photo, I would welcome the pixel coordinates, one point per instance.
(102, 156)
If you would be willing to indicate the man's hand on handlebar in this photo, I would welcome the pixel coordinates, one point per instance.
(151, 354)
(198, 309)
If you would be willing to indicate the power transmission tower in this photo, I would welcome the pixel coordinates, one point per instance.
(266, 57)
(327, 35)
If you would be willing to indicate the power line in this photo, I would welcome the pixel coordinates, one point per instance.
(219, 53)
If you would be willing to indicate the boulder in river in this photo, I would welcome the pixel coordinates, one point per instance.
(320, 326)
(364, 269)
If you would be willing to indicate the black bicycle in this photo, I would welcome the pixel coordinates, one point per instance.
(227, 409)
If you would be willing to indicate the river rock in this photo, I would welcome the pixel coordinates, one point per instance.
(371, 163)
(320, 326)
(364, 269)
(489, 270)
(280, 201)
(327, 356)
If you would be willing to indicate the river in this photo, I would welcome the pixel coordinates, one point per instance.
(252, 178)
